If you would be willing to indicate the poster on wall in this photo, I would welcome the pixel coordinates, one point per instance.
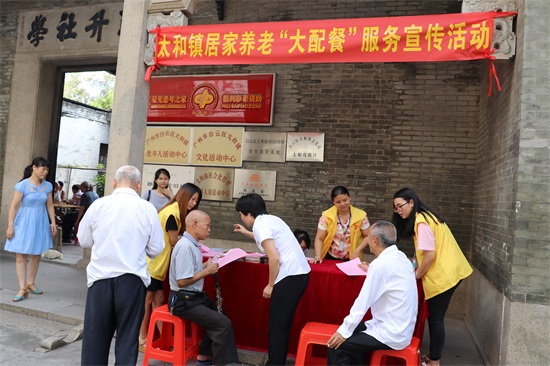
(264, 146)
(217, 146)
(167, 145)
(216, 183)
(302, 146)
(179, 175)
(255, 181)
(212, 99)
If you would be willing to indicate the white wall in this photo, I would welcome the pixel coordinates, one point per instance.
(82, 131)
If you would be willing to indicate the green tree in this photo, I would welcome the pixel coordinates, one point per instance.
(92, 88)
(99, 181)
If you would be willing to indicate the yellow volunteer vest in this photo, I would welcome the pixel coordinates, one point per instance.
(331, 217)
(450, 265)
(158, 267)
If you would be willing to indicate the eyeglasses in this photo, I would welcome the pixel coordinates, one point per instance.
(399, 207)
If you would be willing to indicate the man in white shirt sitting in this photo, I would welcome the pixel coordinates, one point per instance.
(390, 292)
(121, 229)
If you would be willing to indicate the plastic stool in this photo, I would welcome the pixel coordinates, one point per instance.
(411, 354)
(172, 346)
(313, 333)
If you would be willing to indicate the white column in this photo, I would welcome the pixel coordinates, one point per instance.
(129, 118)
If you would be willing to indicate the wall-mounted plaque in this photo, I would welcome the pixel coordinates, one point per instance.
(255, 181)
(216, 183)
(212, 99)
(170, 145)
(178, 175)
(302, 146)
(60, 29)
(264, 146)
(217, 146)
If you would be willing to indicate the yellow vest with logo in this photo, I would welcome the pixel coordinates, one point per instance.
(450, 265)
(331, 217)
(159, 265)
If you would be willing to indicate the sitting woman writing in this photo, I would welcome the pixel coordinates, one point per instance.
(342, 229)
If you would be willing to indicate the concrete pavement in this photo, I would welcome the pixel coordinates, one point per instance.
(64, 300)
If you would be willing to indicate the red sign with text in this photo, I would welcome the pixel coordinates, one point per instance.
(212, 99)
(439, 37)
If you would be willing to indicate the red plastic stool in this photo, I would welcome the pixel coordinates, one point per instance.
(172, 346)
(313, 333)
(411, 354)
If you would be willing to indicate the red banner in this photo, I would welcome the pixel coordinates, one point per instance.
(212, 99)
(422, 38)
(445, 37)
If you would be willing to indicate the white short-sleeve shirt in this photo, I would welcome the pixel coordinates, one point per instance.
(291, 257)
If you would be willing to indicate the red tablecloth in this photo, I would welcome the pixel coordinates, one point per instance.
(328, 299)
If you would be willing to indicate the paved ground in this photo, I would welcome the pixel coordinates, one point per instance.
(24, 325)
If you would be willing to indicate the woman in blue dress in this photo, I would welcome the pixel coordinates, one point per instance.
(30, 231)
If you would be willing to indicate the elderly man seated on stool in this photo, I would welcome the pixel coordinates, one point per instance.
(189, 301)
(390, 292)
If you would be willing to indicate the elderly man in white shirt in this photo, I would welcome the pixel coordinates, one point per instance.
(121, 229)
(390, 292)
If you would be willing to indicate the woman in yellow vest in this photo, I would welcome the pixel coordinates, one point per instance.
(441, 263)
(341, 230)
(172, 218)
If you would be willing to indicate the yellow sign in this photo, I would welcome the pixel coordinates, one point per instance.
(169, 145)
(255, 181)
(217, 146)
(216, 183)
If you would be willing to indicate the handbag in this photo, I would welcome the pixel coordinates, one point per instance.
(183, 300)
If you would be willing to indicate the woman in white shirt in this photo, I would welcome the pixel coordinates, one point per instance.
(288, 270)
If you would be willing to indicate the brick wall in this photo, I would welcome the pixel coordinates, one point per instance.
(495, 185)
(512, 205)
(386, 125)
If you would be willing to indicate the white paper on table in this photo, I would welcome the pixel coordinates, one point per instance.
(211, 254)
(351, 268)
(231, 256)
(255, 255)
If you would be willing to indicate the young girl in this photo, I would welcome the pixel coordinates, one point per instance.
(441, 263)
(30, 231)
(161, 192)
(172, 218)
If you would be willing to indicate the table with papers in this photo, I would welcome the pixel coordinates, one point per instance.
(328, 299)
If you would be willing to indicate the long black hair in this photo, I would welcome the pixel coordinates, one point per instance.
(157, 175)
(37, 162)
(182, 196)
(405, 227)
